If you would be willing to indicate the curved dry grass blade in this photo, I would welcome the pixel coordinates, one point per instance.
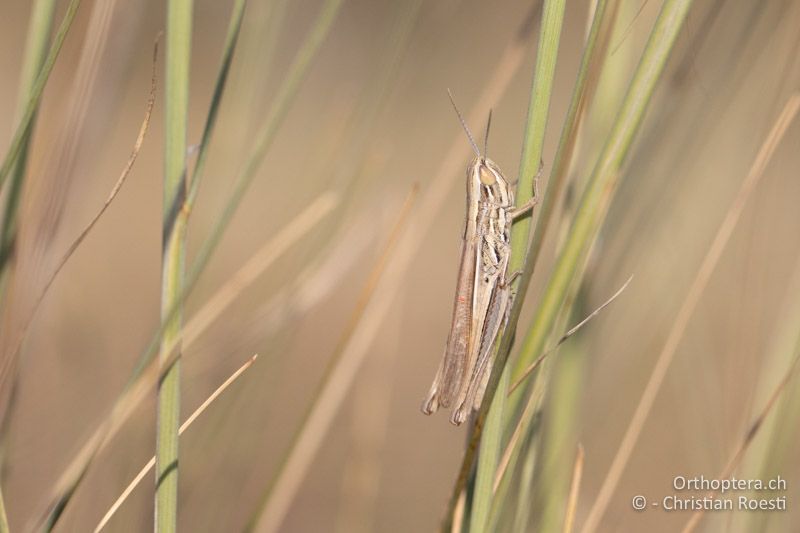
(151, 463)
(27, 244)
(49, 194)
(137, 145)
(574, 492)
(347, 357)
(686, 310)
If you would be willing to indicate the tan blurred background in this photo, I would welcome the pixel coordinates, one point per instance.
(383, 466)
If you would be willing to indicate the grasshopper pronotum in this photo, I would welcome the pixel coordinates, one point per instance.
(483, 292)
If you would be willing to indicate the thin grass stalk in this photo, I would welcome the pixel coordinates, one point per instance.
(356, 134)
(188, 422)
(524, 439)
(16, 346)
(339, 373)
(438, 187)
(687, 308)
(499, 520)
(599, 191)
(360, 129)
(178, 56)
(524, 492)
(592, 61)
(522, 444)
(232, 37)
(605, 176)
(39, 28)
(141, 389)
(574, 492)
(600, 188)
(536, 123)
(48, 195)
(66, 489)
(487, 463)
(593, 56)
(560, 428)
(753, 429)
(24, 125)
(538, 109)
(147, 366)
(769, 454)
(264, 140)
(3, 515)
(262, 31)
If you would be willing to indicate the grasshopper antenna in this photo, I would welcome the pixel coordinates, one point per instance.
(464, 125)
(486, 138)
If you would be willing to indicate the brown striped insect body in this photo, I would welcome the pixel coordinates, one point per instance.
(483, 296)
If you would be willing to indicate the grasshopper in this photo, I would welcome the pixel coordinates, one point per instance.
(483, 291)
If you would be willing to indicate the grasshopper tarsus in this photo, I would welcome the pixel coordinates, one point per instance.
(510, 279)
(528, 206)
(429, 406)
(460, 415)
(524, 209)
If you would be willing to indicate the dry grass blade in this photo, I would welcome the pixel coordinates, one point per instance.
(347, 357)
(139, 390)
(231, 40)
(458, 514)
(749, 436)
(257, 264)
(57, 173)
(574, 329)
(533, 399)
(57, 508)
(66, 485)
(574, 492)
(513, 441)
(687, 309)
(21, 131)
(151, 463)
(151, 98)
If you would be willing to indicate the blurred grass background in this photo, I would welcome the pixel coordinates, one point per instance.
(370, 119)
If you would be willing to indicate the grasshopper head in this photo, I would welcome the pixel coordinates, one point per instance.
(486, 171)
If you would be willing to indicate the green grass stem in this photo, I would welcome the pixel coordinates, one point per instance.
(178, 56)
(538, 109)
(121, 408)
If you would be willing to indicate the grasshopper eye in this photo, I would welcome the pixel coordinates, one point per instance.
(486, 176)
